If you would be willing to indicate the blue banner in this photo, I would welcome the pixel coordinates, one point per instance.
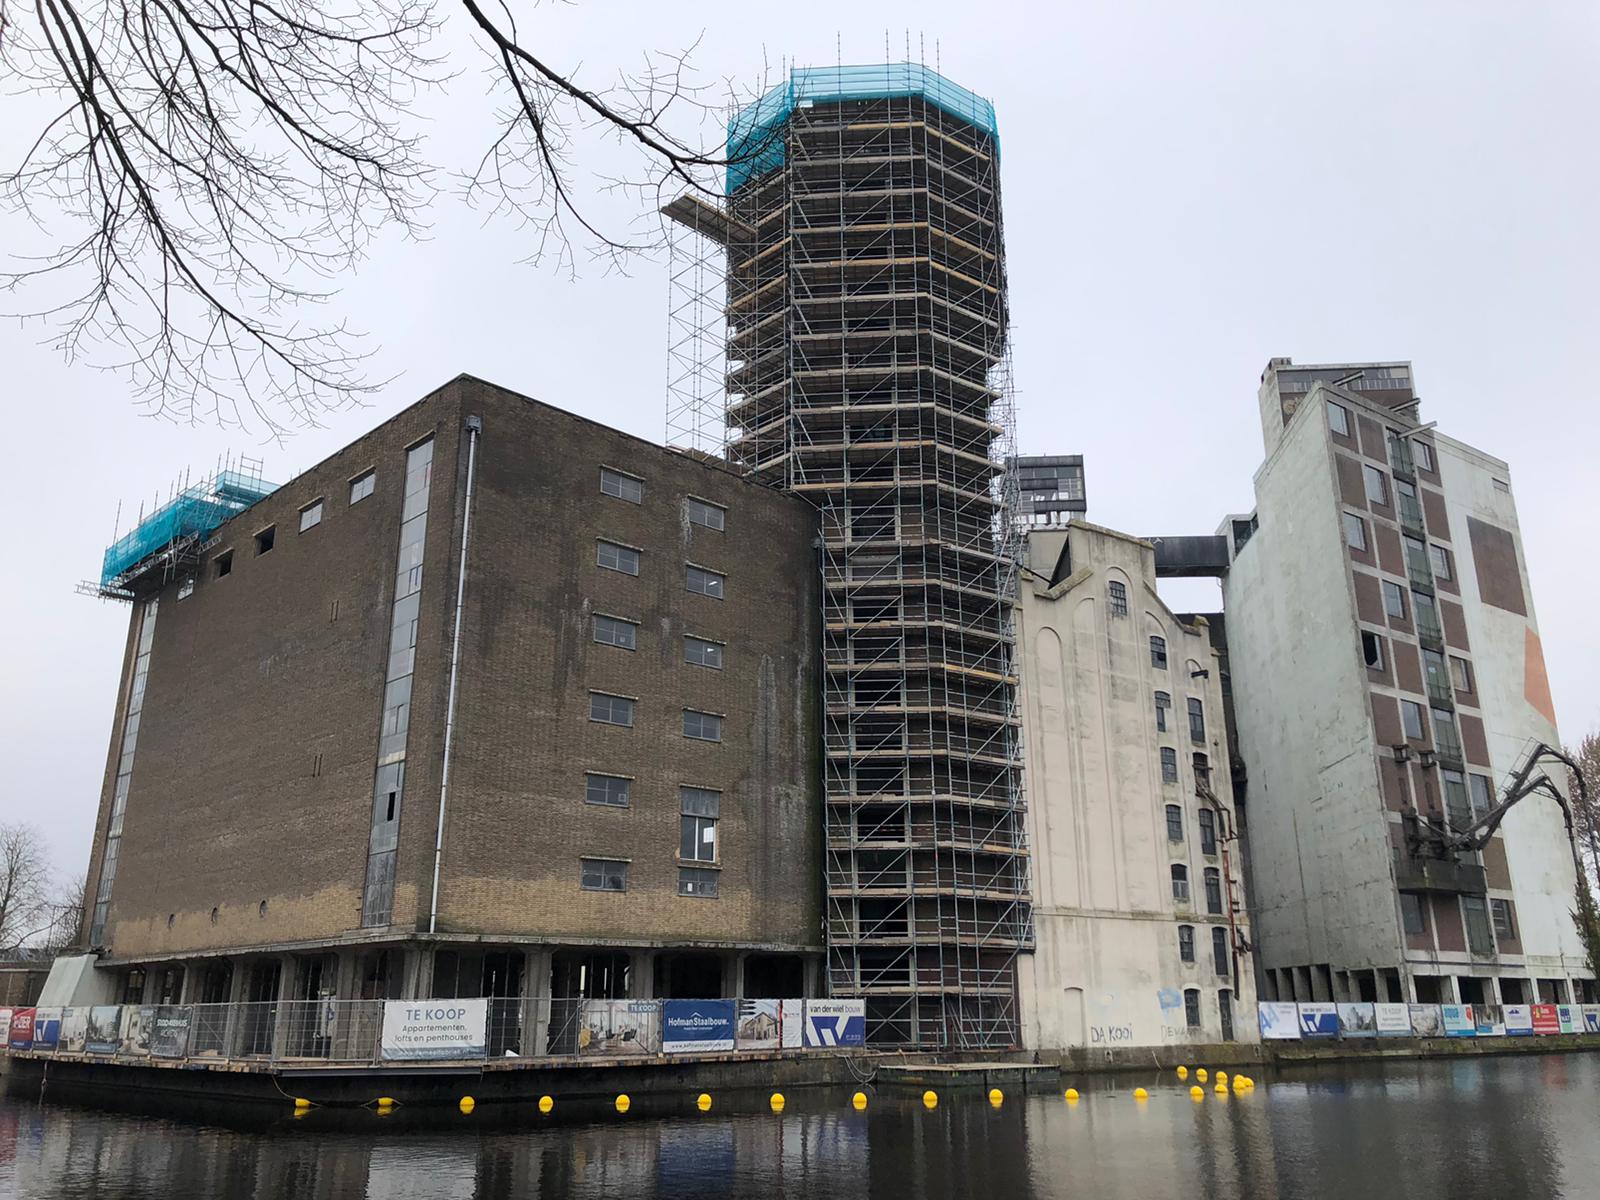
(696, 1026)
(1458, 1020)
(1319, 1020)
(836, 1023)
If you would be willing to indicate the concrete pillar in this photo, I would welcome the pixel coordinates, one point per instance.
(641, 974)
(732, 975)
(535, 1000)
(236, 994)
(416, 982)
(813, 977)
(286, 1014)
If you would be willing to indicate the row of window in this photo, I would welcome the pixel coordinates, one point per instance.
(1197, 722)
(1339, 422)
(1191, 1010)
(627, 487)
(1414, 915)
(1438, 557)
(1208, 828)
(1213, 887)
(613, 556)
(1219, 947)
(605, 708)
(623, 634)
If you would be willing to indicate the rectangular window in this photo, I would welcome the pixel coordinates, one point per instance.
(1377, 484)
(697, 830)
(1219, 949)
(361, 486)
(706, 583)
(702, 653)
(1482, 794)
(1505, 926)
(616, 558)
(1213, 890)
(604, 875)
(613, 631)
(1197, 721)
(697, 881)
(1355, 532)
(1118, 593)
(1180, 883)
(1372, 650)
(702, 726)
(610, 710)
(1394, 600)
(1208, 831)
(1411, 914)
(1158, 652)
(1338, 418)
(1163, 702)
(623, 487)
(224, 563)
(1186, 943)
(1440, 557)
(186, 588)
(612, 790)
(1411, 718)
(1460, 673)
(311, 516)
(703, 512)
(1191, 1005)
(1169, 765)
(1480, 938)
(1423, 453)
(1174, 823)
(264, 540)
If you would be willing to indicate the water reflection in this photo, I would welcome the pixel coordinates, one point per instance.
(1480, 1128)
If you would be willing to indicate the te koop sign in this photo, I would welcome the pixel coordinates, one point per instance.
(434, 1029)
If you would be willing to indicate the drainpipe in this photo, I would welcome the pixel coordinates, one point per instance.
(474, 430)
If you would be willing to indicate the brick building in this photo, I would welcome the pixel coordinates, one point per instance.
(598, 778)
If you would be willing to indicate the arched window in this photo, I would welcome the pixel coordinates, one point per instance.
(1174, 823)
(1163, 702)
(1213, 890)
(1197, 721)
(1186, 943)
(1208, 831)
(1158, 652)
(1169, 765)
(1180, 883)
(1219, 949)
(1191, 1007)
(1118, 592)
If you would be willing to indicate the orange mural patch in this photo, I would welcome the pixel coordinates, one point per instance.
(1535, 682)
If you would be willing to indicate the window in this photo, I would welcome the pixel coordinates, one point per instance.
(1500, 485)
(616, 558)
(623, 487)
(1377, 484)
(1338, 418)
(1505, 927)
(224, 563)
(264, 540)
(1394, 600)
(605, 875)
(1197, 720)
(1457, 808)
(311, 516)
(186, 588)
(1163, 702)
(1440, 558)
(1174, 823)
(1180, 883)
(610, 710)
(361, 486)
(613, 631)
(1186, 943)
(697, 881)
(1213, 890)
(1118, 592)
(697, 838)
(1169, 765)
(706, 583)
(1411, 915)
(1460, 673)
(1372, 650)
(1480, 937)
(1423, 453)
(702, 726)
(1158, 652)
(1219, 949)
(702, 653)
(612, 790)
(1482, 794)
(1191, 1007)
(703, 512)
(1355, 532)
(1208, 831)
(1411, 718)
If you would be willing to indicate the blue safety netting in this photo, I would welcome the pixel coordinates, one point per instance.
(197, 510)
(755, 134)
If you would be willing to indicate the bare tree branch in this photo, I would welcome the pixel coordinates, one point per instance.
(24, 881)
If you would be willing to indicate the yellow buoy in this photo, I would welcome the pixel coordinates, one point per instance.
(546, 1104)
(1072, 1095)
(1197, 1092)
(1183, 1072)
(301, 1102)
(468, 1104)
(703, 1101)
(1200, 1074)
(859, 1101)
(930, 1099)
(385, 1101)
(1140, 1094)
(996, 1097)
(1221, 1089)
(777, 1101)
(623, 1103)
(1222, 1077)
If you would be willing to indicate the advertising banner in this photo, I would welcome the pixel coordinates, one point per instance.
(1519, 1019)
(836, 1023)
(620, 1028)
(169, 1031)
(696, 1026)
(1427, 1020)
(1458, 1020)
(792, 1016)
(1569, 1018)
(136, 1022)
(1394, 1020)
(5, 1025)
(46, 1028)
(21, 1034)
(1591, 1018)
(434, 1029)
(1358, 1020)
(1546, 1019)
(103, 1031)
(1319, 1020)
(760, 1026)
(1279, 1020)
(74, 1028)
(1491, 1019)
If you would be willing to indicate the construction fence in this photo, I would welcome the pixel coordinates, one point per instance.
(1286, 1020)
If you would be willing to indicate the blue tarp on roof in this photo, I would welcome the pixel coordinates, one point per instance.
(197, 510)
(755, 138)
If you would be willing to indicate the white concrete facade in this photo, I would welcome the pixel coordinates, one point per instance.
(1108, 969)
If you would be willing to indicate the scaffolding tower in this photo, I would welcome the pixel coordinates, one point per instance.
(866, 367)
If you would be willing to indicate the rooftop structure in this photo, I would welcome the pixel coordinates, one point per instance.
(1049, 488)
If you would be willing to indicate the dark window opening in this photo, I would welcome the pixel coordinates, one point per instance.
(224, 563)
(264, 539)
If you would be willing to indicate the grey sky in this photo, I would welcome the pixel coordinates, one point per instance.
(1190, 188)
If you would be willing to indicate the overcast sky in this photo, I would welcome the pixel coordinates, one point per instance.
(1190, 188)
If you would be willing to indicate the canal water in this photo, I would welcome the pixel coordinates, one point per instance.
(1495, 1128)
